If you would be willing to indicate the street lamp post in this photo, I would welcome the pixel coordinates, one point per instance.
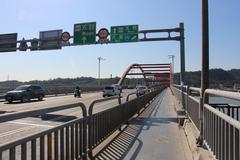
(172, 67)
(99, 62)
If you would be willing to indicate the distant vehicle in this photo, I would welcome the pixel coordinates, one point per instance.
(25, 93)
(112, 90)
(119, 87)
(77, 92)
(141, 90)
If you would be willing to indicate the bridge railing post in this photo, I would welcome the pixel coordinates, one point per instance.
(130, 94)
(90, 122)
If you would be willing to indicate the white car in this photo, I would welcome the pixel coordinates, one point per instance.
(141, 90)
(119, 87)
(111, 91)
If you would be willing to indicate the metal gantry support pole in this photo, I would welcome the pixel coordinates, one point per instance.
(205, 66)
(182, 61)
(182, 54)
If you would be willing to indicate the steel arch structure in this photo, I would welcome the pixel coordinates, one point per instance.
(153, 74)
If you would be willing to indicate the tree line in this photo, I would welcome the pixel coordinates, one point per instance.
(218, 78)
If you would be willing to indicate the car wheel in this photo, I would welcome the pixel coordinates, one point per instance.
(24, 99)
(40, 98)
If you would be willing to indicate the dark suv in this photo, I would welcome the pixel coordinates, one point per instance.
(25, 93)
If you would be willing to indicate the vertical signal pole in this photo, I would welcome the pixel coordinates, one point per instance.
(99, 62)
(205, 66)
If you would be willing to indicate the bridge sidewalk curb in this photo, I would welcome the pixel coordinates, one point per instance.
(191, 133)
(199, 153)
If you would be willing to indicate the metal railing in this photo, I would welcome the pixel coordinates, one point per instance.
(75, 139)
(130, 94)
(103, 124)
(191, 102)
(221, 132)
(228, 109)
(220, 121)
(67, 141)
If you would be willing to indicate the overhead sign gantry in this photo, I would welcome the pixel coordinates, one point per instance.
(86, 34)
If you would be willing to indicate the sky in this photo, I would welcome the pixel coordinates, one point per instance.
(29, 17)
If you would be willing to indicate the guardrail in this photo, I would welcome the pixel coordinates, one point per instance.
(191, 103)
(67, 141)
(103, 124)
(221, 127)
(221, 132)
(130, 94)
(75, 139)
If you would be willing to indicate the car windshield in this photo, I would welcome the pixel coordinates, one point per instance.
(108, 88)
(21, 88)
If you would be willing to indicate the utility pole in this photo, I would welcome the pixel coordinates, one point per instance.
(99, 62)
(205, 66)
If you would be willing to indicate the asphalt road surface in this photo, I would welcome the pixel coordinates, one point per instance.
(17, 129)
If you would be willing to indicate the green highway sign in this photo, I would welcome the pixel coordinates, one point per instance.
(84, 33)
(127, 33)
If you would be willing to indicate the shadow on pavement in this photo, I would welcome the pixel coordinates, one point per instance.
(119, 147)
(19, 102)
(57, 117)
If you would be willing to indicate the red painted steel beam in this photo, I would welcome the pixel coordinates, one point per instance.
(164, 70)
(147, 74)
(154, 64)
(127, 73)
(154, 67)
(151, 70)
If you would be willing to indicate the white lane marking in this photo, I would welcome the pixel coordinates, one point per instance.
(39, 125)
(31, 124)
(15, 131)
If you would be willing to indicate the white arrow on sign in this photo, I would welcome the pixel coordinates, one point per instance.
(84, 39)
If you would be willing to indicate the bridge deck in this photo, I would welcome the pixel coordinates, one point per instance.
(154, 135)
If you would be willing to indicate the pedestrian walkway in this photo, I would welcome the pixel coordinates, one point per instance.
(154, 135)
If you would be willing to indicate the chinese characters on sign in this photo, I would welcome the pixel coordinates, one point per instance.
(84, 33)
(127, 33)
